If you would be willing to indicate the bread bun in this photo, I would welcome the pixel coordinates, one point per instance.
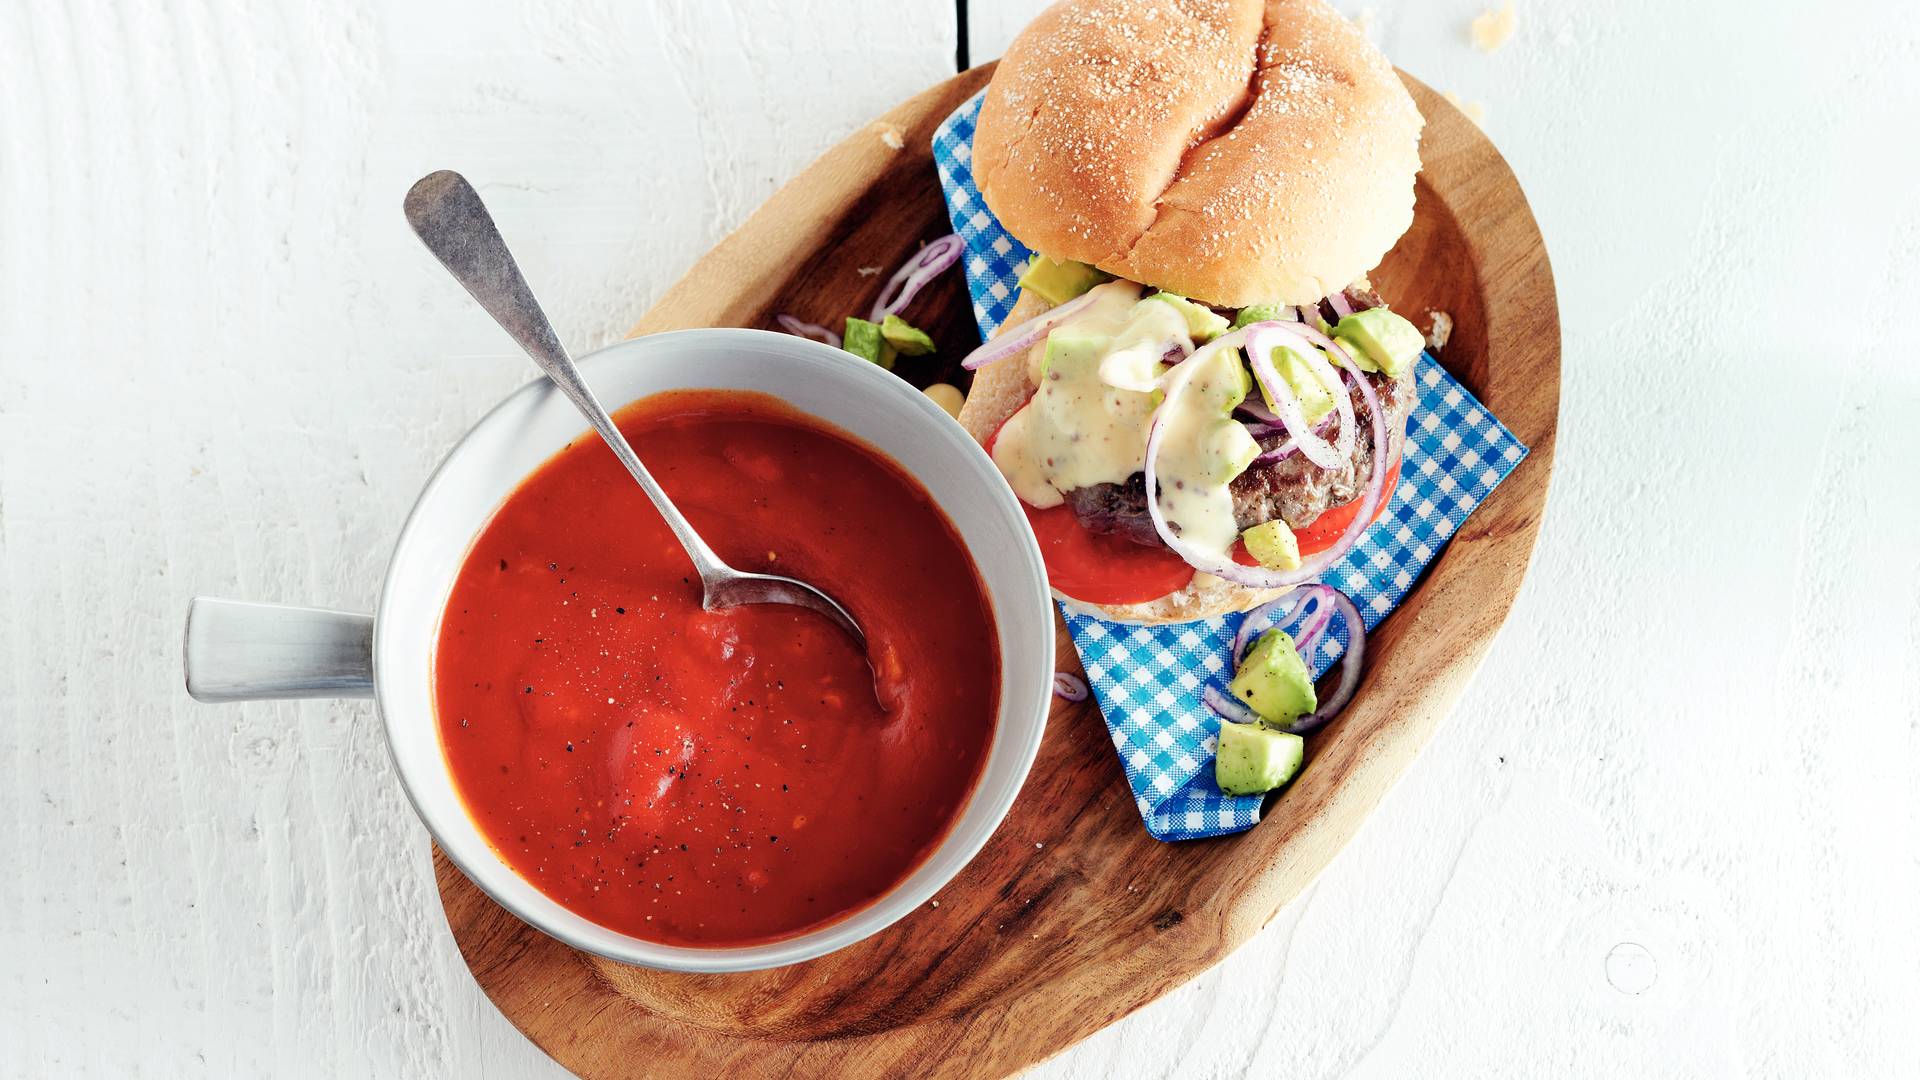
(1233, 151)
(999, 390)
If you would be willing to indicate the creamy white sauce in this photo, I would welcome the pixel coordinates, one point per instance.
(1203, 449)
(1099, 379)
(1087, 421)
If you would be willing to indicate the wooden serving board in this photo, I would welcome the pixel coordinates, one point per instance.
(1072, 916)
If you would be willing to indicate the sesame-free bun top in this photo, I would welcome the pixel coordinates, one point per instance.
(1233, 151)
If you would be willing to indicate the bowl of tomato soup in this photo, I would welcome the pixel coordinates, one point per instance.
(716, 778)
(713, 791)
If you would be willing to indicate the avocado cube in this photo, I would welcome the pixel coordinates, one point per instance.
(1229, 450)
(864, 340)
(1273, 544)
(906, 339)
(1274, 681)
(1203, 323)
(1250, 759)
(1386, 342)
(1254, 313)
(1060, 280)
(1316, 400)
(1072, 352)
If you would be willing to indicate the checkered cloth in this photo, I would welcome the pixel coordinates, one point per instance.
(1147, 679)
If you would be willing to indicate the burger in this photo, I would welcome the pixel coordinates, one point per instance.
(1198, 396)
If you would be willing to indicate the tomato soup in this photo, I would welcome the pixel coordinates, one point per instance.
(727, 777)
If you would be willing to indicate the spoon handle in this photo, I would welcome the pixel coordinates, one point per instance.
(448, 216)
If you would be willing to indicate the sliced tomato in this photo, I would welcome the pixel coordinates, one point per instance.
(1099, 568)
(1096, 567)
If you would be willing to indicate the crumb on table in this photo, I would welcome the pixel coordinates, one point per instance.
(1475, 111)
(1491, 28)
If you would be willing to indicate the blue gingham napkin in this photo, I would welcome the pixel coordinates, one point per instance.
(1147, 679)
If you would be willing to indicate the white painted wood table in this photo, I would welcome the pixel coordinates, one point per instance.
(1670, 832)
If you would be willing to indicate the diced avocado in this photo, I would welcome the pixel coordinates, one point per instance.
(1247, 382)
(863, 339)
(1262, 313)
(1316, 401)
(1071, 351)
(1273, 544)
(1386, 342)
(1250, 759)
(1230, 449)
(1203, 324)
(1060, 280)
(1274, 681)
(906, 339)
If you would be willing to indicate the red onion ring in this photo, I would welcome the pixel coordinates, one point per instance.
(1337, 300)
(1330, 600)
(1069, 687)
(1257, 409)
(1266, 615)
(807, 330)
(1316, 625)
(1279, 453)
(1350, 662)
(929, 263)
(1227, 707)
(1021, 338)
(1260, 346)
(1310, 315)
(1223, 565)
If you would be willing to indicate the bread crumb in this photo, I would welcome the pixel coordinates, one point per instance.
(1440, 330)
(1475, 111)
(891, 136)
(869, 271)
(1491, 28)
(936, 903)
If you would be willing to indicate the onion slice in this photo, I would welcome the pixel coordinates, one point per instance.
(1227, 707)
(1261, 341)
(1276, 612)
(914, 274)
(1069, 687)
(1021, 338)
(1222, 564)
(1337, 300)
(1350, 662)
(1316, 625)
(1329, 600)
(806, 329)
(1279, 612)
(1257, 409)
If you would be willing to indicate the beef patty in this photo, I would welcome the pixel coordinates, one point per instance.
(1292, 489)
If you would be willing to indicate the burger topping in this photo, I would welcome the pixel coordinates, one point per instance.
(1201, 448)
(1197, 537)
(1385, 342)
(1096, 379)
(1273, 545)
(1060, 280)
(1203, 323)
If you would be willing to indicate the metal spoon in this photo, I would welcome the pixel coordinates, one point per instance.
(448, 216)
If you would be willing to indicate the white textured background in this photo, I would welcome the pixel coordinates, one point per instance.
(1670, 832)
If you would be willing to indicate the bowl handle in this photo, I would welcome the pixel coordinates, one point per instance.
(239, 651)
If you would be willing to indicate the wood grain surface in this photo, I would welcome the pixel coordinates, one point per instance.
(1072, 916)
